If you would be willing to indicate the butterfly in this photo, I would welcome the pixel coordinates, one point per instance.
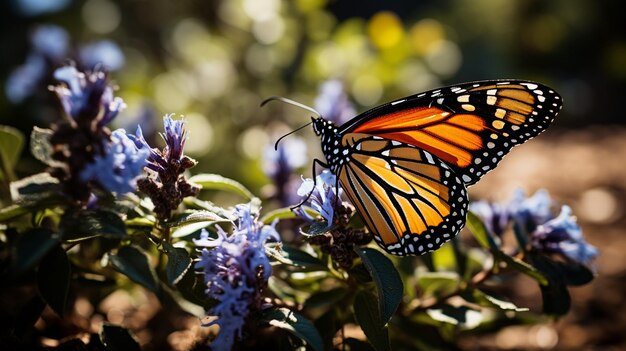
(406, 164)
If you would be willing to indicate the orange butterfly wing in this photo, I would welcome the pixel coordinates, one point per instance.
(469, 126)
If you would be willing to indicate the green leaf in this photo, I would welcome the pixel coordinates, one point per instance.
(483, 299)
(218, 182)
(281, 213)
(53, 279)
(134, 263)
(303, 260)
(569, 272)
(118, 338)
(295, 324)
(178, 262)
(522, 267)
(35, 187)
(86, 224)
(13, 211)
(556, 299)
(387, 279)
(438, 283)
(40, 146)
(196, 216)
(11, 144)
(32, 246)
(369, 318)
(480, 232)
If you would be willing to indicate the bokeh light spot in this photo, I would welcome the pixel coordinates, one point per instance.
(367, 89)
(101, 16)
(385, 29)
(445, 58)
(200, 130)
(425, 35)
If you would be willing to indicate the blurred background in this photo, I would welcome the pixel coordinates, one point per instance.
(214, 62)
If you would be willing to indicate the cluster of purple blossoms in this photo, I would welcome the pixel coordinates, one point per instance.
(166, 185)
(50, 47)
(546, 233)
(322, 197)
(236, 270)
(88, 152)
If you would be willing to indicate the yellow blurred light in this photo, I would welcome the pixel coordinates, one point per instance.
(172, 91)
(200, 139)
(251, 142)
(101, 16)
(232, 13)
(260, 10)
(425, 35)
(367, 89)
(269, 30)
(385, 29)
(415, 77)
(213, 79)
(310, 5)
(445, 58)
(330, 60)
(319, 25)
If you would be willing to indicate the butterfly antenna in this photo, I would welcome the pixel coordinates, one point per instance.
(294, 103)
(291, 102)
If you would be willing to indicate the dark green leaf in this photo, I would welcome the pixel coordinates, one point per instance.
(480, 232)
(11, 144)
(556, 299)
(295, 324)
(40, 146)
(53, 279)
(117, 338)
(387, 279)
(303, 260)
(438, 283)
(32, 246)
(35, 187)
(325, 298)
(522, 267)
(569, 272)
(134, 263)
(369, 318)
(87, 224)
(218, 182)
(178, 262)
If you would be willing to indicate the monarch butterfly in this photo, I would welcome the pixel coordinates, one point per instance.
(405, 165)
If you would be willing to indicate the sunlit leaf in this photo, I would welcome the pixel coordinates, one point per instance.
(218, 182)
(483, 299)
(438, 283)
(11, 144)
(40, 146)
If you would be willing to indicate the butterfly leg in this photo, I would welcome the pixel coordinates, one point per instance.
(315, 161)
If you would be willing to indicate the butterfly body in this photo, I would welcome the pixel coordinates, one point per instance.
(406, 164)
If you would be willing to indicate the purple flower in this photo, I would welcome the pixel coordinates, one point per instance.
(119, 167)
(333, 104)
(24, 79)
(87, 96)
(562, 235)
(279, 165)
(531, 211)
(175, 136)
(495, 216)
(50, 41)
(322, 199)
(105, 52)
(235, 269)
